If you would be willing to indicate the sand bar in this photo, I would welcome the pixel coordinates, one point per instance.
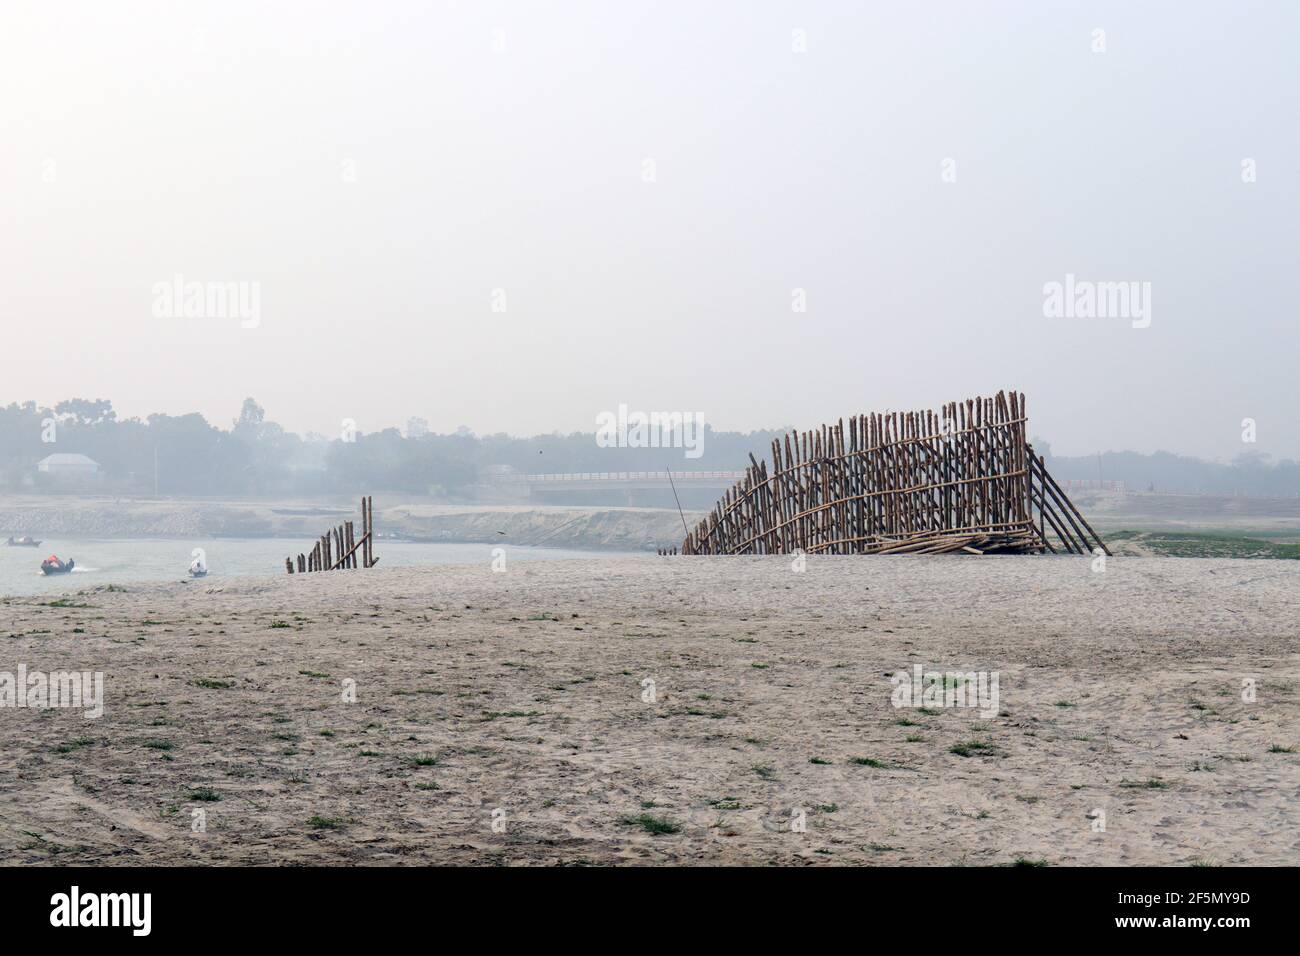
(522, 692)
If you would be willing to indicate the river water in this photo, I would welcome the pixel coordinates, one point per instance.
(123, 560)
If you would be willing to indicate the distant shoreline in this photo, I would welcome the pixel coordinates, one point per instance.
(597, 528)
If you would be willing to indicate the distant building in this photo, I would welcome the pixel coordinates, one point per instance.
(68, 466)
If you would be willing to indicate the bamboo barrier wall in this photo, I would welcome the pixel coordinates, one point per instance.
(338, 548)
(963, 479)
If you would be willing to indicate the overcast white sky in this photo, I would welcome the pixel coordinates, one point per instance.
(378, 168)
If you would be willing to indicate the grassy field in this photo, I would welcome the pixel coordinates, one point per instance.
(1175, 544)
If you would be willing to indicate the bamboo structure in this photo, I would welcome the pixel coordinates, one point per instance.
(960, 480)
(339, 547)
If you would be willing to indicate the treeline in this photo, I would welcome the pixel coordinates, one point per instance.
(1248, 474)
(186, 455)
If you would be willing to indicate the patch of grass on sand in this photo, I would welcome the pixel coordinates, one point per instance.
(325, 823)
(1279, 749)
(869, 762)
(425, 761)
(277, 625)
(72, 745)
(317, 674)
(818, 760)
(159, 744)
(973, 748)
(1151, 783)
(1026, 861)
(494, 714)
(205, 794)
(211, 683)
(652, 824)
(726, 803)
(765, 770)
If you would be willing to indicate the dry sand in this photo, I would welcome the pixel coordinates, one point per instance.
(1121, 691)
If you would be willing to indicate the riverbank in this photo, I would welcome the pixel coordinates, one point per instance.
(525, 699)
(616, 529)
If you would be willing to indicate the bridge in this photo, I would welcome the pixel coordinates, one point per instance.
(623, 480)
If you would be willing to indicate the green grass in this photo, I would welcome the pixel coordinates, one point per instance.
(211, 683)
(817, 760)
(72, 745)
(1151, 783)
(158, 744)
(869, 762)
(205, 794)
(726, 803)
(325, 823)
(653, 824)
(1279, 749)
(423, 761)
(1026, 861)
(1180, 544)
(973, 748)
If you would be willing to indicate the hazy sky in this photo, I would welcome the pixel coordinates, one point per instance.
(379, 168)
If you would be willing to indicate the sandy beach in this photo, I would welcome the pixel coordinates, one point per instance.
(521, 699)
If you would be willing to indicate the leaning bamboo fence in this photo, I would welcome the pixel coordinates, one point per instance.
(338, 548)
(962, 479)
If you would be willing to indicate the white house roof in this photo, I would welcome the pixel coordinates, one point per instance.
(66, 459)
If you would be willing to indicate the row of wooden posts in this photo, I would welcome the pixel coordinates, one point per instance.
(338, 548)
(963, 479)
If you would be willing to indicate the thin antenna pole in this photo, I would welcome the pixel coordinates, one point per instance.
(678, 500)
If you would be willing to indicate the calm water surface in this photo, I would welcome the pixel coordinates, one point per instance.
(122, 560)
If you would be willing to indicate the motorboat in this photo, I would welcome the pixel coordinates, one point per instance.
(53, 565)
